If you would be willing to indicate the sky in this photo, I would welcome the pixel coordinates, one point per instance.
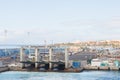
(56, 21)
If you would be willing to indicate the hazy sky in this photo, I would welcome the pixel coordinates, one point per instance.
(59, 20)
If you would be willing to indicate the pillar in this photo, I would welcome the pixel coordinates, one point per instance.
(66, 58)
(36, 57)
(22, 56)
(50, 58)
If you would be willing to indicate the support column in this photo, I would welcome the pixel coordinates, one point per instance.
(22, 56)
(36, 57)
(50, 58)
(66, 58)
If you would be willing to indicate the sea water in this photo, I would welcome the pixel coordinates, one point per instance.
(86, 75)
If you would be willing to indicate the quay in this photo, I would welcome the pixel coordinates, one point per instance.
(81, 69)
(51, 61)
(37, 70)
(111, 68)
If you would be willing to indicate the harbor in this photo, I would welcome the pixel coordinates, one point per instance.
(59, 40)
(56, 59)
(52, 59)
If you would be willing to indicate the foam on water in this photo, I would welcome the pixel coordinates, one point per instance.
(86, 75)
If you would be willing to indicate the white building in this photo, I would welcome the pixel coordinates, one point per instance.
(96, 62)
(101, 62)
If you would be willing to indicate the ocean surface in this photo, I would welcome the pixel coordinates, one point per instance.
(86, 75)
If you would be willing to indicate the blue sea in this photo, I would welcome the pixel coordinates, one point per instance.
(86, 75)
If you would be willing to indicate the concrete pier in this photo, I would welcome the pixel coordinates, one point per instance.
(47, 65)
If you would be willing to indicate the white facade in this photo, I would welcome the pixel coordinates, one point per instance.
(111, 64)
(96, 62)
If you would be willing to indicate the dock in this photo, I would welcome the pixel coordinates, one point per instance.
(37, 63)
(91, 68)
(50, 62)
(49, 70)
(107, 68)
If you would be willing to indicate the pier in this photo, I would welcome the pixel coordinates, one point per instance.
(41, 61)
(111, 68)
